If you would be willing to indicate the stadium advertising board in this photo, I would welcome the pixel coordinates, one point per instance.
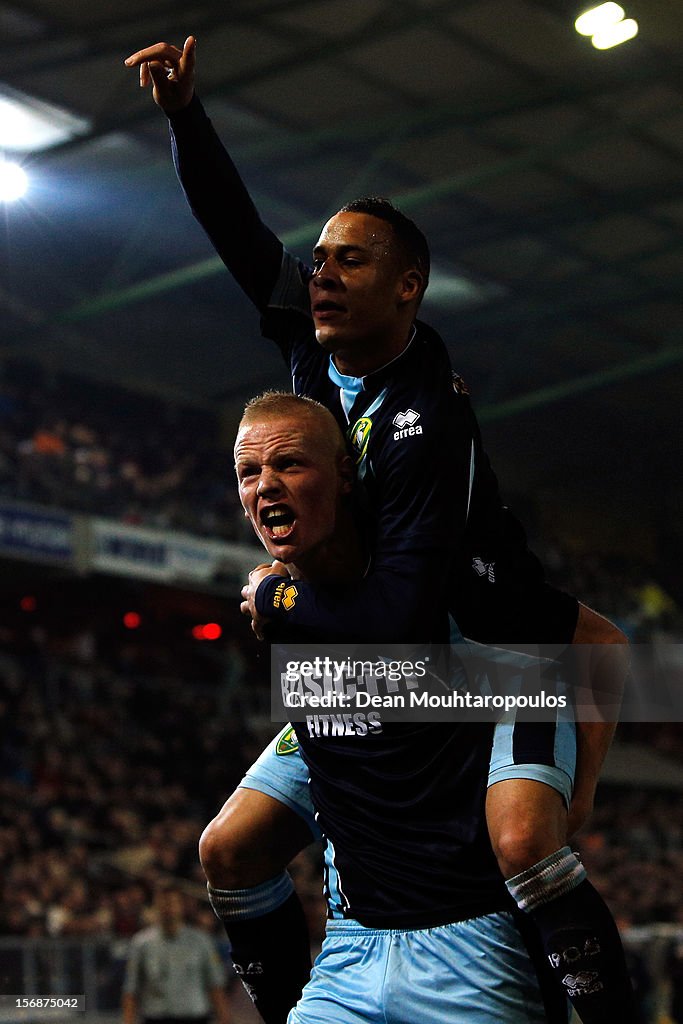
(162, 555)
(35, 534)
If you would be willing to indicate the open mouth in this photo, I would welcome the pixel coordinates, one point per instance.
(277, 521)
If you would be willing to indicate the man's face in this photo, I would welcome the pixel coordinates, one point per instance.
(356, 289)
(290, 483)
(170, 908)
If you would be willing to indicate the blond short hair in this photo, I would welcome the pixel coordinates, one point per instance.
(273, 404)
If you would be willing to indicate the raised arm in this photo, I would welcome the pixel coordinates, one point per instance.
(213, 188)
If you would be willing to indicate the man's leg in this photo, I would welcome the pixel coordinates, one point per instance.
(527, 824)
(244, 852)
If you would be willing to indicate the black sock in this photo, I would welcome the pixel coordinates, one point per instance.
(579, 937)
(270, 952)
(584, 948)
(555, 1002)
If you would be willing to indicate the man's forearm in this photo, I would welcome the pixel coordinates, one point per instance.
(603, 665)
(221, 203)
(593, 740)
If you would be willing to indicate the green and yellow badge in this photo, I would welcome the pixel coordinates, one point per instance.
(287, 743)
(359, 435)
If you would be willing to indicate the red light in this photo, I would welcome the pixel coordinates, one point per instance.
(28, 603)
(131, 620)
(209, 631)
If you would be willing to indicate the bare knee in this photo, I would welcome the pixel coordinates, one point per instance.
(520, 846)
(527, 822)
(251, 840)
(222, 854)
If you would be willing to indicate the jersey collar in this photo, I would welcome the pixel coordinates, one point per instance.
(370, 382)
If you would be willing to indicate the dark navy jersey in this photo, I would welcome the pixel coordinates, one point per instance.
(496, 588)
(402, 810)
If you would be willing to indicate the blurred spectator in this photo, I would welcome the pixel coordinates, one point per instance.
(173, 975)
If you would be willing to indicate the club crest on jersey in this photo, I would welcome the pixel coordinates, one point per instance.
(285, 595)
(287, 744)
(359, 435)
(405, 421)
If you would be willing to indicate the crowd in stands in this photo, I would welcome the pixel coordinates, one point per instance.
(80, 445)
(111, 765)
(77, 444)
(628, 592)
(632, 849)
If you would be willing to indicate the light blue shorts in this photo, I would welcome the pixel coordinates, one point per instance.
(472, 972)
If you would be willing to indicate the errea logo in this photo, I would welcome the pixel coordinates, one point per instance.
(405, 421)
(482, 568)
(285, 595)
(582, 984)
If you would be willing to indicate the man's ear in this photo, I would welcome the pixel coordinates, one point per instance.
(410, 286)
(347, 474)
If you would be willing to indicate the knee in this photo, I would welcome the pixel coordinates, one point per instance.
(222, 856)
(519, 846)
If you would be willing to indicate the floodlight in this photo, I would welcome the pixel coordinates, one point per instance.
(598, 18)
(28, 124)
(612, 35)
(13, 181)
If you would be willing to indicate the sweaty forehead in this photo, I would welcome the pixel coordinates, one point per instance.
(356, 229)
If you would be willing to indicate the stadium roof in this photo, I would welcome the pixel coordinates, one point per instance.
(547, 175)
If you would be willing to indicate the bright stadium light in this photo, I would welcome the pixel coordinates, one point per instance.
(606, 25)
(28, 124)
(598, 19)
(613, 35)
(13, 181)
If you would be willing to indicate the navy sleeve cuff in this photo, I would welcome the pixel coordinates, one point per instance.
(269, 594)
(194, 109)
